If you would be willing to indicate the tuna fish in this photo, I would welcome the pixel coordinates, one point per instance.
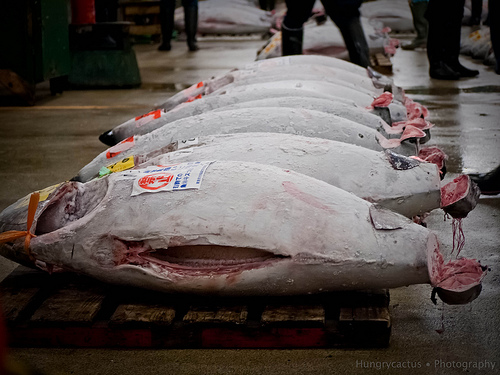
(394, 14)
(350, 70)
(270, 120)
(223, 17)
(291, 234)
(267, 98)
(393, 181)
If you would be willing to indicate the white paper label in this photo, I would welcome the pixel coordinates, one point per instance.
(169, 178)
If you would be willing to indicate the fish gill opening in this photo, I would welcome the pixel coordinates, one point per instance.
(71, 202)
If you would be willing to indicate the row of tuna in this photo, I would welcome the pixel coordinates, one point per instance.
(293, 175)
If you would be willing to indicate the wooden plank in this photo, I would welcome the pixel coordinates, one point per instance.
(137, 10)
(142, 314)
(145, 30)
(15, 301)
(70, 305)
(224, 314)
(294, 314)
(366, 313)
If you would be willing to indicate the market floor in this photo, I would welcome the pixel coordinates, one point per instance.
(48, 143)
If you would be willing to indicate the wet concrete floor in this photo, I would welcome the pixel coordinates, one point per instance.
(48, 143)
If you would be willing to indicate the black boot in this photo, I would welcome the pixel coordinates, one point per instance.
(420, 24)
(441, 70)
(167, 9)
(489, 183)
(191, 25)
(291, 41)
(461, 70)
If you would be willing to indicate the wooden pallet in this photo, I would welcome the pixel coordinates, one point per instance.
(65, 310)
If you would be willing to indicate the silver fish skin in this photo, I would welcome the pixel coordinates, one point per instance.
(265, 98)
(291, 234)
(410, 188)
(272, 120)
(398, 111)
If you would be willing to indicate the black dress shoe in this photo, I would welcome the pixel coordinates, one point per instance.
(443, 71)
(165, 47)
(489, 183)
(462, 70)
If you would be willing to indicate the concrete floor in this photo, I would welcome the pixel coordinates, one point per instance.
(48, 143)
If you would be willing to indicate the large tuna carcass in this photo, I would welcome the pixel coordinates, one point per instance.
(228, 17)
(229, 228)
(402, 184)
(395, 14)
(269, 120)
(283, 98)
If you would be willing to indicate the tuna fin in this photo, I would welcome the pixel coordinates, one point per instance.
(387, 143)
(385, 219)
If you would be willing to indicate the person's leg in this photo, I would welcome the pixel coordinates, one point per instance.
(420, 24)
(167, 9)
(437, 17)
(345, 14)
(494, 16)
(191, 22)
(476, 12)
(453, 36)
(292, 31)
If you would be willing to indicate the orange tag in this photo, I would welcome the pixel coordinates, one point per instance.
(157, 114)
(120, 147)
(193, 98)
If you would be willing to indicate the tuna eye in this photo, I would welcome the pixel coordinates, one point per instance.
(71, 202)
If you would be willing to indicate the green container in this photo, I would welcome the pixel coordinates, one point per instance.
(34, 43)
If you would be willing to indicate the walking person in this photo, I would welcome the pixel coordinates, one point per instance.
(167, 11)
(344, 13)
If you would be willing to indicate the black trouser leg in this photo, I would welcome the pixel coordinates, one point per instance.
(191, 22)
(167, 9)
(437, 39)
(346, 17)
(292, 32)
(476, 12)
(494, 15)
(453, 36)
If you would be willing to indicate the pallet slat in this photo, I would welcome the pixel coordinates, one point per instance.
(71, 311)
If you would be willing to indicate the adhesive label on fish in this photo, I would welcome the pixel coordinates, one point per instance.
(122, 165)
(182, 176)
(187, 143)
(148, 117)
(120, 147)
(44, 194)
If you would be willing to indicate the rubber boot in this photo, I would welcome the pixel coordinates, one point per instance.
(355, 41)
(420, 24)
(452, 48)
(167, 9)
(291, 41)
(191, 25)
